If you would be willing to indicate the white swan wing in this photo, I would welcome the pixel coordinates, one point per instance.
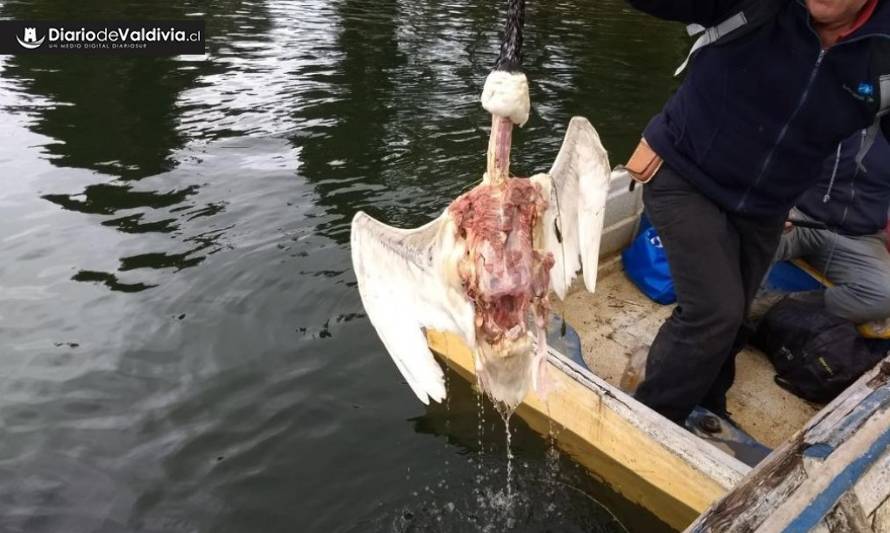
(573, 223)
(405, 285)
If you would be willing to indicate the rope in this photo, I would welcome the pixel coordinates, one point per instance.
(510, 58)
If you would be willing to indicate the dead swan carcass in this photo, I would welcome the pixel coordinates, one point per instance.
(484, 268)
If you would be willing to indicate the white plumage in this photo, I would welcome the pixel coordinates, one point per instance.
(580, 185)
(408, 278)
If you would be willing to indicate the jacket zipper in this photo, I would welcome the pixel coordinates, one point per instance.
(837, 162)
(853, 184)
(784, 131)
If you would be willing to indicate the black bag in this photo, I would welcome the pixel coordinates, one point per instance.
(816, 354)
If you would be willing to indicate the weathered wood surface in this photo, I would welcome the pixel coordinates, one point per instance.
(648, 459)
(833, 476)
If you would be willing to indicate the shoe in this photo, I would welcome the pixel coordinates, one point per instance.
(709, 424)
(719, 415)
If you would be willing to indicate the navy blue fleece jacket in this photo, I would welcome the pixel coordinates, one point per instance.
(755, 118)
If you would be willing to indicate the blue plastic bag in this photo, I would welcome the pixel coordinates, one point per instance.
(646, 264)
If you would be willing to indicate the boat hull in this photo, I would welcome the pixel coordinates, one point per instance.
(646, 458)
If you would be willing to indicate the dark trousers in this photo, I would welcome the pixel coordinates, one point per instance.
(718, 260)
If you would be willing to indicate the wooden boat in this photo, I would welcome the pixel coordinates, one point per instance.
(833, 475)
(685, 480)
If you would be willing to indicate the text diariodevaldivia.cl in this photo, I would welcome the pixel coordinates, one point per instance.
(123, 35)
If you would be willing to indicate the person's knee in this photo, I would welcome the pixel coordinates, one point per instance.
(720, 316)
(728, 317)
(879, 307)
(785, 250)
(860, 303)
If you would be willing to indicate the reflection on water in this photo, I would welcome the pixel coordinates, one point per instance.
(184, 345)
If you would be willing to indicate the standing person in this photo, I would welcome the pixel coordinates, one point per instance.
(852, 251)
(741, 138)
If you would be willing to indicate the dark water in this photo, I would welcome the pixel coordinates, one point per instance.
(183, 347)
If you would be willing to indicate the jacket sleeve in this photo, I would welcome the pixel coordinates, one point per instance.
(885, 127)
(704, 12)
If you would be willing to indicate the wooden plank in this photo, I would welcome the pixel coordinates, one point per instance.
(674, 474)
(881, 519)
(871, 490)
(838, 409)
(751, 502)
(830, 436)
(847, 516)
(814, 499)
(815, 274)
(834, 414)
(803, 480)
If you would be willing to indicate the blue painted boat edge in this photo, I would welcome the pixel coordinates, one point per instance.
(813, 513)
(877, 400)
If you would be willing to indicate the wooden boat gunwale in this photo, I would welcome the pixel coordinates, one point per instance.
(675, 474)
(832, 475)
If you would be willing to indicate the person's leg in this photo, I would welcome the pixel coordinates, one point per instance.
(714, 399)
(798, 242)
(758, 239)
(794, 243)
(860, 269)
(702, 247)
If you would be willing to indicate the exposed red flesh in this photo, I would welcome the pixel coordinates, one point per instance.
(502, 273)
